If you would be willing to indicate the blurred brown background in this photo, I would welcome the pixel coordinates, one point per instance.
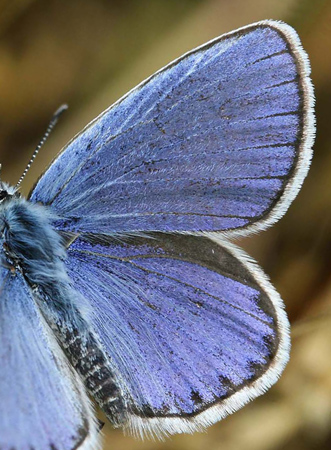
(89, 53)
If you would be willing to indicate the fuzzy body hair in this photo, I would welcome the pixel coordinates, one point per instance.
(35, 246)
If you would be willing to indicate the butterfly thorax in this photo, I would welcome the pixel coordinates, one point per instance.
(33, 247)
(30, 242)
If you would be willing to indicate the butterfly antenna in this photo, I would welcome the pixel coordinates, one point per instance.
(50, 127)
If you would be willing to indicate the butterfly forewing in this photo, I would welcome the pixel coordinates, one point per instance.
(219, 140)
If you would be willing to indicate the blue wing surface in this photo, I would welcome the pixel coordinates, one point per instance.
(193, 327)
(218, 140)
(43, 404)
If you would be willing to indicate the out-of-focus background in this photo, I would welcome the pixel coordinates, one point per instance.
(88, 53)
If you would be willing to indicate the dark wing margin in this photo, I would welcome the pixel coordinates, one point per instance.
(304, 140)
(192, 325)
(218, 140)
(43, 402)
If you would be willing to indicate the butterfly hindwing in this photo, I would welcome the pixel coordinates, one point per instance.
(218, 140)
(193, 327)
(43, 403)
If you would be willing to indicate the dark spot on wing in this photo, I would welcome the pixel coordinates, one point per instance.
(230, 387)
(196, 398)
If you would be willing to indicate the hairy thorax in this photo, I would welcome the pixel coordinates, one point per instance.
(30, 243)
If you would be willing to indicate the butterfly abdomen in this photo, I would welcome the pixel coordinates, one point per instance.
(94, 367)
(82, 348)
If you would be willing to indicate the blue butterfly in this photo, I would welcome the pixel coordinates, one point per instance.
(118, 277)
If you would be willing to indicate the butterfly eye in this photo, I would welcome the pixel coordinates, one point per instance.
(3, 195)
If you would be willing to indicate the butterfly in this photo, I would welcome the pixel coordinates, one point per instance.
(118, 275)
